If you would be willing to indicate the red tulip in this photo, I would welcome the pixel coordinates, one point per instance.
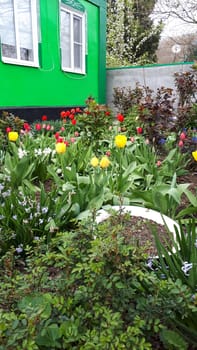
(73, 121)
(8, 130)
(38, 127)
(108, 153)
(120, 118)
(63, 114)
(139, 130)
(26, 126)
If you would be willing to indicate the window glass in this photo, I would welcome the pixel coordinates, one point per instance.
(66, 38)
(77, 42)
(18, 31)
(25, 30)
(8, 38)
(72, 40)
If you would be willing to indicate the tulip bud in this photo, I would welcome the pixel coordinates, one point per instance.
(180, 144)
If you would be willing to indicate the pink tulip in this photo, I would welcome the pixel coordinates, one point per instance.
(182, 136)
(180, 144)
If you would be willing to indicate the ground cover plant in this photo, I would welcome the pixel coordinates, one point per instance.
(67, 283)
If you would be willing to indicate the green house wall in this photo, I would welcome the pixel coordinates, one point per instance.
(48, 85)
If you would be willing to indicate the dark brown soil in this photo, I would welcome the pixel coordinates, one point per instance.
(139, 232)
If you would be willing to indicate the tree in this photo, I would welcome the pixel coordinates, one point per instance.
(185, 10)
(187, 44)
(132, 37)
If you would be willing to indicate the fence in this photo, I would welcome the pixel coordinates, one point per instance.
(153, 76)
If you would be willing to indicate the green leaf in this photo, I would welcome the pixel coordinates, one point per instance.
(160, 202)
(38, 302)
(192, 198)
(49, 336)
(173, 340)
(96, 202)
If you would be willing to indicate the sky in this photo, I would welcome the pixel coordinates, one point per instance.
(176, 27)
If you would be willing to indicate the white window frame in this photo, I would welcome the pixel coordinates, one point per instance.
(35, 39)
(72, 12)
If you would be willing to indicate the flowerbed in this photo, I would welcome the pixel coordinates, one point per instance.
(68, 284)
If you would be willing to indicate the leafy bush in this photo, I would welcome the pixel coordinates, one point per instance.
(94, 123)
(87, 289)
(157, 112)
(186, 84)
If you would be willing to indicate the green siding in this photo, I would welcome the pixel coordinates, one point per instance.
(48, 85)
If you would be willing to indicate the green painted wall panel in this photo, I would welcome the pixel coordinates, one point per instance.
(48, 85)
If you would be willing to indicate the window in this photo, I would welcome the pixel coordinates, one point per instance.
(19, 32)
(72, 38)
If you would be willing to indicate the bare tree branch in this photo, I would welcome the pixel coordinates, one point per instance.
(185, 10)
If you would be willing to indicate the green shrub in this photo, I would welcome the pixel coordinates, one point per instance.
(87, 289)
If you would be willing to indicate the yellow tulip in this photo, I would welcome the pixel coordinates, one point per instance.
(60, 147)
(194, 154)
(13, 136)
(120, 141)
(94, 162)
(104, 162)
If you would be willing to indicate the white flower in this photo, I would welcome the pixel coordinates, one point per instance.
(19, 249)
(38, 152)
(47, 151)
(36, 238)
(21, 153)
(44, 210)
(1, 187)
(6, 194)
(186, 267)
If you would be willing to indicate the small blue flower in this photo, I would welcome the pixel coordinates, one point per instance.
(162, 141)
(194, 139)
